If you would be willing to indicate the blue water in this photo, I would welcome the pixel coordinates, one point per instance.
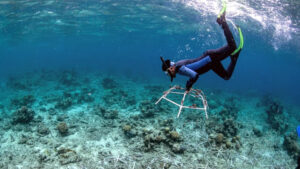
(131, 35)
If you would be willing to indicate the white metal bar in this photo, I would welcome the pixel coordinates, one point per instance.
(172, 102)
(181, 105)
(193, 92)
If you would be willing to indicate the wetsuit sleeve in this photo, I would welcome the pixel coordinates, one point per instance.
(183, 70)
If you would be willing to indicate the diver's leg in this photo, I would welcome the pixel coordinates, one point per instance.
(225, 51)
(219, 69)
(229, 37)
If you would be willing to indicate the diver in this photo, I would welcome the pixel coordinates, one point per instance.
(210, 60)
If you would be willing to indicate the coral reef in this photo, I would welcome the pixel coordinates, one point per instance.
(64, 103)
(69, 99)
(276, 116)
(119, 97)
(27, 100)
(291, 146)
(17, 84)
(149, 109)
(129, 131)
(84, 126)
(109, 83)
(224, 133)
(105, 113)
(23, 115)
(172, 139)
(69, 78)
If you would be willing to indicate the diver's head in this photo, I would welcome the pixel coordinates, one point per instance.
(167, 68)
(165, 64)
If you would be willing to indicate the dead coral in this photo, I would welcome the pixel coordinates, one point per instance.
(67, 156)
(291, 146)
(129, 131)
(62, 128)
(149, 109)
(223, 134)
(23, 115)
(23, 101)
(276, 116)
(43, 129)
(172, 139)
(119, 97)
(106, 113)
(64, 103)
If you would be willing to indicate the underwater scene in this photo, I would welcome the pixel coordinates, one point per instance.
(149, 84)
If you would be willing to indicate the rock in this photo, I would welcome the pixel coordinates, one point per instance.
(62, 128)
(23, 115)
(178, 149)
(257, 132)
(43, 130)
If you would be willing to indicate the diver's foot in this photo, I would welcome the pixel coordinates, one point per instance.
(221, 19)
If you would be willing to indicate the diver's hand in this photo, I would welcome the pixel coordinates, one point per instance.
(187, 90)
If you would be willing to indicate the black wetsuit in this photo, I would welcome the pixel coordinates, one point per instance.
(210, 60)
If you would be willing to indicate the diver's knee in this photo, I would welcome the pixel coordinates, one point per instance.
(226, 77)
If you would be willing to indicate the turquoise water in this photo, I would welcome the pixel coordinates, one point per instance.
(57, 56)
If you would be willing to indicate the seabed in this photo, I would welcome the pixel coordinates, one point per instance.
(67, 119)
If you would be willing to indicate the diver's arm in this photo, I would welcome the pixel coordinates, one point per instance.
(183, 70)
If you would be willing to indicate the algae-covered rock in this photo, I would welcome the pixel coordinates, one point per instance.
(62, 128)
(177, 148)
(126, 128)
(67, 156)
(219, 138)
(42, 129)
(174, 135)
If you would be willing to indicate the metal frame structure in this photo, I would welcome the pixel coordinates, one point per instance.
(193, 92)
